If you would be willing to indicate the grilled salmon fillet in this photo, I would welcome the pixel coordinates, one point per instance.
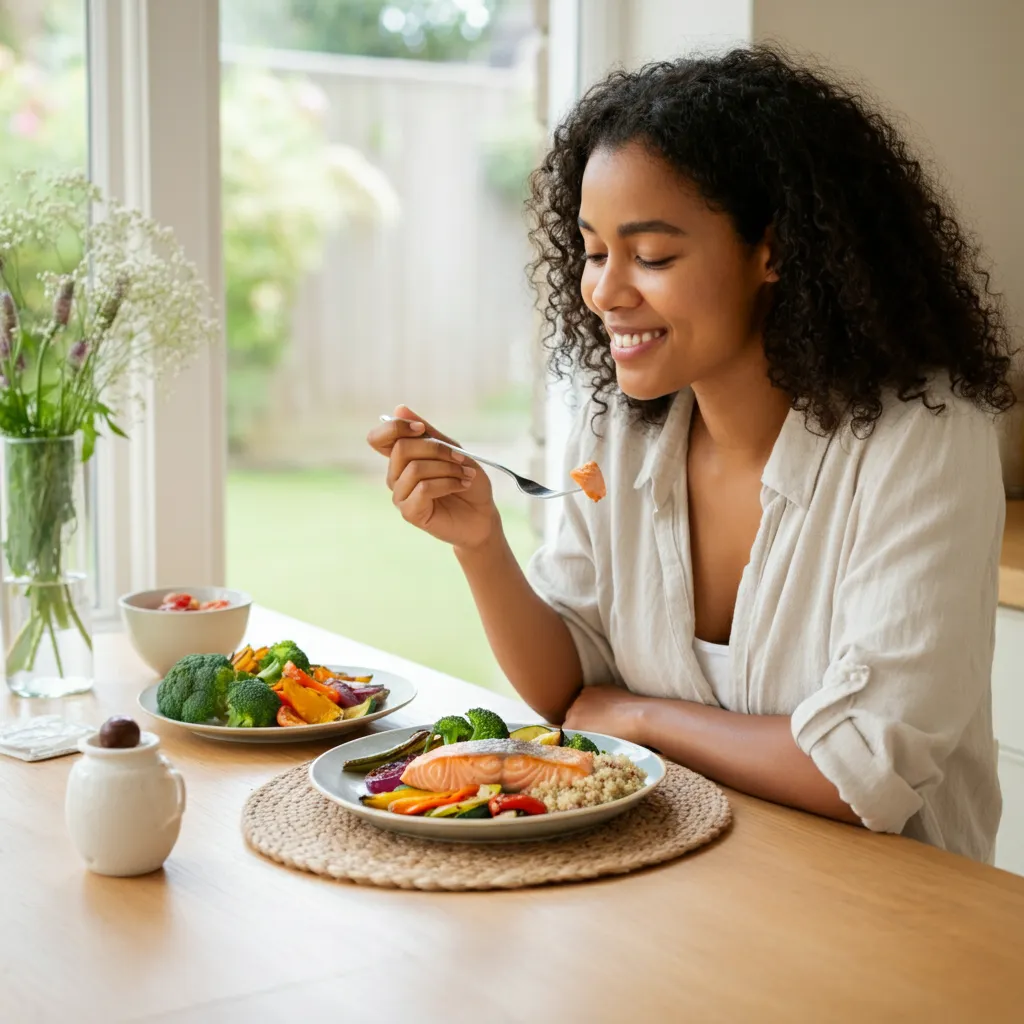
(591, 479)
(514, 764)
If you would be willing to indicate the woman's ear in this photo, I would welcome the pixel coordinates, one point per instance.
(767, 253)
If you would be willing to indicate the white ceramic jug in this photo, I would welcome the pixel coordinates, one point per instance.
(123, 806)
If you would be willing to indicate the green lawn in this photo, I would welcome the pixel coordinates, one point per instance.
(329, 548)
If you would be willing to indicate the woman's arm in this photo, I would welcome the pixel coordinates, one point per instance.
(755, 754)
(529, 638)
(451, 499)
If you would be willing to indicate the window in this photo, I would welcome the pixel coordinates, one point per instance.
(374, 157)
(154, 141)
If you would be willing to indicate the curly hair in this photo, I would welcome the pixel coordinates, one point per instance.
(878, 286)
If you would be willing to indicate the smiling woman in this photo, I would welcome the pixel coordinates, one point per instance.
(794, 358)
(676, 294)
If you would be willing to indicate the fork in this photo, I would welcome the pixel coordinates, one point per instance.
(529, 487)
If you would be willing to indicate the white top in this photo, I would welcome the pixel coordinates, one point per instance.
(714, 663)
(866, 612)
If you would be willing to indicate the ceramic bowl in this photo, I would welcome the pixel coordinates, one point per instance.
(161, 638)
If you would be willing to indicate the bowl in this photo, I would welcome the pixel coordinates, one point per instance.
(162, 638)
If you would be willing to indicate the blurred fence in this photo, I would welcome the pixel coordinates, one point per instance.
(432, 309)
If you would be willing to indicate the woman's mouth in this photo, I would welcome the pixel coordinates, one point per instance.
(629, 346)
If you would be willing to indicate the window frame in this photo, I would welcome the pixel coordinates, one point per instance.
(154, 131)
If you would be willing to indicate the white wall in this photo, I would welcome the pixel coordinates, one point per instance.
(952, 70)
(659, 29)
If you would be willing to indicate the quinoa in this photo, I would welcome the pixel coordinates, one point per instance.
(614, 776)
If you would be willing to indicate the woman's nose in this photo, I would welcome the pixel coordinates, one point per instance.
(614, 290)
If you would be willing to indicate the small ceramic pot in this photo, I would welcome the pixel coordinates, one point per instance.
(123, 806)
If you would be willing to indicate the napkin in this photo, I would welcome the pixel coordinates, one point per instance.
(42, 737)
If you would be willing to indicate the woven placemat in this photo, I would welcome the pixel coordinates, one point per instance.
(288, 821)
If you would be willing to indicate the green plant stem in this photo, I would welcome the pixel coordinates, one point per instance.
(37, 636)
(44, 347)
(79, 625)
(56, 648)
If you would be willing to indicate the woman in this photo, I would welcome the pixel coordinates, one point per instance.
(794, 361)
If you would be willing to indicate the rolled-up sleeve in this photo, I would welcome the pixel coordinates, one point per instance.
(913, 618)
(563, 572)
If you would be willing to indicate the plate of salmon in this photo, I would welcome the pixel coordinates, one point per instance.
(474, 778)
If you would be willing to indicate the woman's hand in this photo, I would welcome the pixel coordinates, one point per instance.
(434, 488)
(607, 709)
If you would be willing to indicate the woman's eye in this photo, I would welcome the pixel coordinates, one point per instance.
(596, 257)
(655, 264)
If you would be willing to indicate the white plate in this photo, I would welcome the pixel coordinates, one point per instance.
(401, 692)
(346, 788)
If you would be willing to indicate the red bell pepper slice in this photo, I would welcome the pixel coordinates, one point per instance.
(516, 802)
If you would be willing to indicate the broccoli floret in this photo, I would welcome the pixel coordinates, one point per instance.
(453, 729)
(580, 742)
(196, 688)
(486, 725)
(273, 662)
(251, 703)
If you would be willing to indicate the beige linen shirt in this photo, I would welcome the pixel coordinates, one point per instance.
(866, 611)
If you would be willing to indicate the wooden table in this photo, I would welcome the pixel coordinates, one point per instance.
(787, 918)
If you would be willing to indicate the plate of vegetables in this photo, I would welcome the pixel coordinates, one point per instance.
(476, 778)
(272, 695)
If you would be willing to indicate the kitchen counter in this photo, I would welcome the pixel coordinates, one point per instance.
(1011, 563)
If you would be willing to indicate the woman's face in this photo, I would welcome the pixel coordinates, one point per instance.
(680, 294)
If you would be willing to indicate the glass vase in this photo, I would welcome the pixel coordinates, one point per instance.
(47, 600)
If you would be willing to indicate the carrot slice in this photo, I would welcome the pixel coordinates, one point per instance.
(589, 477)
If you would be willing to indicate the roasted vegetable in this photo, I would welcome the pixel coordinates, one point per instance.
(245, 660)
(362, 710)
(252, 704)
(421, 804)
(413, 745)
(475, 809)
(381, 801)
(287, 718)
(521, 803)
(347, 697)
(292, 671)
(580, 742)
(388, 776)
(486, 725)
(460, 810)
(307, 703)
(364, 690)
(453, 729)
(531, 733)
(273, 662)
(196, 688)
(346, 678)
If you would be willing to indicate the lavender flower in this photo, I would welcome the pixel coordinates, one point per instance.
(78, 354)
(109, 309)
(8, 324)
(62, 303)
